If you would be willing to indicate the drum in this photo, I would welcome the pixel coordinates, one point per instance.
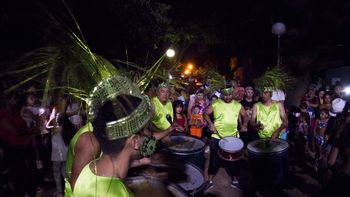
(231, 148)
(142, 187)
(186, 148)
(269, 159)
(194, 183)
(184, 174)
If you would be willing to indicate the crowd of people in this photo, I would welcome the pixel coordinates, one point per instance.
(92, 148)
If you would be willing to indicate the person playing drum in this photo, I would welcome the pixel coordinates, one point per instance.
(163, 110)
(269, 116)
(226, 113)
(122, 134)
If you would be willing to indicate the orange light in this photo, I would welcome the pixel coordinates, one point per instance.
(190, 66)
(187, 72)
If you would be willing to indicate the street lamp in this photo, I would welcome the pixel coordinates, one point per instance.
(170, 53)
(278, 29)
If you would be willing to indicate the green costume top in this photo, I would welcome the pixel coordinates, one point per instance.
(70, 156)
(159, 118)
(90, 185)
(226, 118)
(269, 116)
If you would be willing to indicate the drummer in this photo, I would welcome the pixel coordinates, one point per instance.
(162, 108)
(122, 134)
(269, 116)
(226, 113)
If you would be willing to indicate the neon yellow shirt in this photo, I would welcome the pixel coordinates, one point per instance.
(269, 116)
(70, 156)
(159, 118)
(226, 118)
(90, 185)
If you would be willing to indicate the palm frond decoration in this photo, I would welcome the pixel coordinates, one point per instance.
(276, 78)
(151, 72)
(217, 80)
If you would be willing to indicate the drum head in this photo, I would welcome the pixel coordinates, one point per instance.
(231, 144)
(267, 146)
(141, 186)
(184, 144)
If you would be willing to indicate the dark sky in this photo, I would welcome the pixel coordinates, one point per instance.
(241, 28)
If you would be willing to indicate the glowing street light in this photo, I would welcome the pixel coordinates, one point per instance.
(190, 66)
(187, 72)
(170, 53)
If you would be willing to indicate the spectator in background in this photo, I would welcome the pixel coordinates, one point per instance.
(248, 103)
(320, 96)
(338, 88)
(326, 102)
(74, 111)
(279, 96)
(180, 118)
(18, 151)
(196, 122)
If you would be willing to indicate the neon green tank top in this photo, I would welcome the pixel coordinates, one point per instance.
(269, 116)
(159, 118)
(226, 118)
(70, 156)
(90, 185)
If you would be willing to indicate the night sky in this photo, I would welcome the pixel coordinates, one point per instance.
(208, 31)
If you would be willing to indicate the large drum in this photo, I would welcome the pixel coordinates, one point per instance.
(268, 160)
(194, 182)
(186, 148)
(144, 187)
(231, 148)
(184, 174)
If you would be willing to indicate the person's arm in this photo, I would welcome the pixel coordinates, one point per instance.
(315, 128)
(189, 108)
(253, 120)
(284, 120)
(315, 105)
(207, 113)
(140, 162)
(186, 123)
(86, 149)
(160, 134)
(244, 116)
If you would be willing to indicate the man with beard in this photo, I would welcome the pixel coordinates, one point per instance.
(226, 113)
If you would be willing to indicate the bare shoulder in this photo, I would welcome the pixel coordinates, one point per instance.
(86, 141)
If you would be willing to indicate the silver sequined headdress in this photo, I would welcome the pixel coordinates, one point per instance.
(131, 108)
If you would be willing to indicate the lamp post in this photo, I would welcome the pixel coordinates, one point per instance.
(278, 29)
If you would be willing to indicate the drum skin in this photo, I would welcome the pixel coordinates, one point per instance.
(141, 186)
(231, 148)
(183, 174)
(269, 162)
(187, 148)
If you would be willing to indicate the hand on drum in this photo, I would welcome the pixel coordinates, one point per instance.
(275, 135)
(212, 128)
(259, 126)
